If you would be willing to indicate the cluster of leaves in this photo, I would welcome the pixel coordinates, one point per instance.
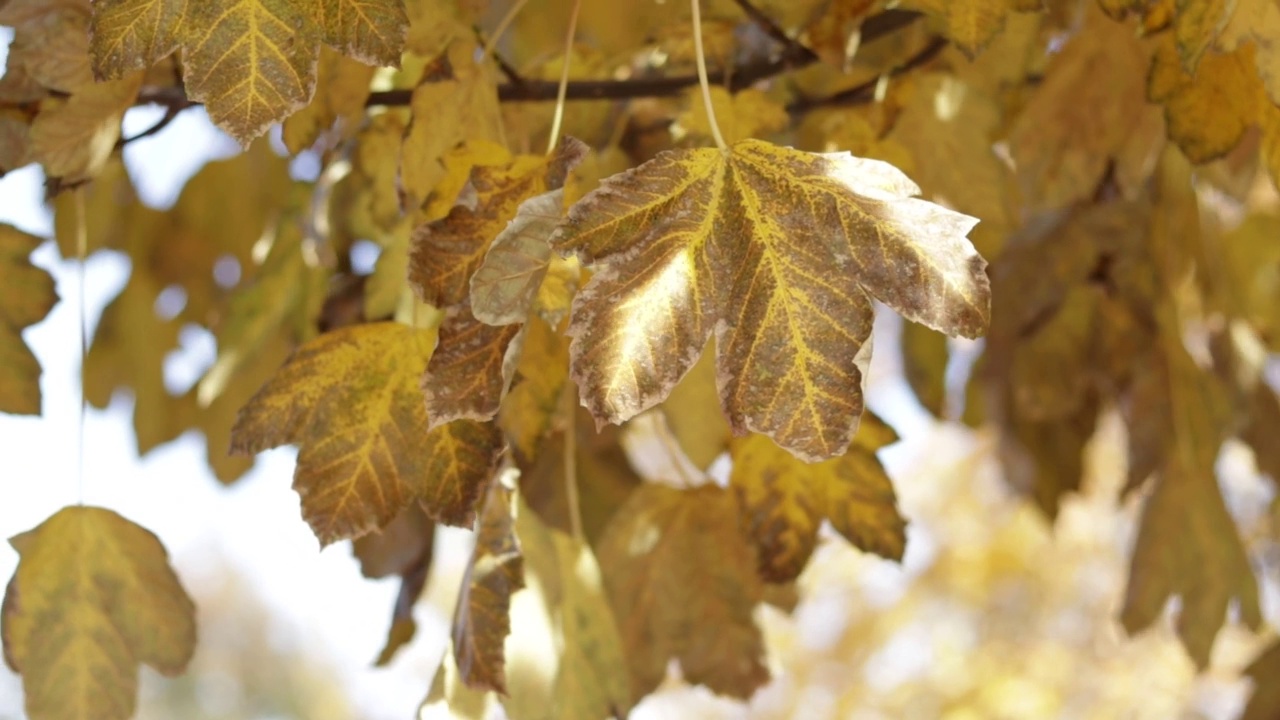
(699, 302)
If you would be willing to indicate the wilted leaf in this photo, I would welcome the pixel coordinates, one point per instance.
(93, 597)
(446, 253)
(350, 400)
(506, 282)
(26, 295)
(783, 501)
(496, 571)
(471, 368)
(682, 583)
(779, 253)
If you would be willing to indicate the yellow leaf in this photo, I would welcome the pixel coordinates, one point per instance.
(541, 373)
(783, 501)
(970, 24)
(506, 283)
(446, 253)
(251, 62)
(458, 164)
(450, 698)
(92, 598)
(1079, 118)
(109, 203)
(1207, 113)
(1265, 671)
(693, 416)
(350, 400)
(778, 252)
(481, 621)
(471, 368)
(457, 100)
(26, 295)
(1257, 21)
(385, 288)
(749, 113)
(1187, 544)
(1196, 25)
(924, 365)
(342, 86)
(682, 583)
(74, 138)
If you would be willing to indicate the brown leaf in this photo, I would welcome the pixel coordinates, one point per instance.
(779, 253)
(496, 571)
(682, 582)
(404, 547)
(1265, 672)
(27, 294)
(471, 368)
(350, 399)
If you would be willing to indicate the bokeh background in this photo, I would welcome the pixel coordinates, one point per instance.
(992, 614)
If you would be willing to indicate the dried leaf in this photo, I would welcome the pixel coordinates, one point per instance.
(350, 400)
(471, 369)
(481, 621)
(504, 286)
(27, 294)
(92, 598)
(703, 240)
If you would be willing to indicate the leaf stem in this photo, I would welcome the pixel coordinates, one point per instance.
(82, 253)
(701, 57)
(558, 118)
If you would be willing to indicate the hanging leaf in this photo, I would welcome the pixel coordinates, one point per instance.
(92, 598)
(706, 240)
(26, 295)
(350, 400)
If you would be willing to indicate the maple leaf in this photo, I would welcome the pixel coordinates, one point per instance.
(92, 598)
(471, 368)
(446, 253)
(27, 294)
(350, 400)
(682, 583)
(783, 500)
(506, 283)
(481, 620)
(778, 252)
(251, 62)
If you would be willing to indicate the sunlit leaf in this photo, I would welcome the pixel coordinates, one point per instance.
(93, 598)
(702, 241)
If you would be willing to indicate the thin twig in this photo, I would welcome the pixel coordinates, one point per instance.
(865, 92)
(774, 31)
(170, 112)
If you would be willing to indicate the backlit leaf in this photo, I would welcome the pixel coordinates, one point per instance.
(682, 583)
(778, 253)
(93, 598)
(505, 284)
(783, 501)
(350, 399)
(481, 621)
(26, 295)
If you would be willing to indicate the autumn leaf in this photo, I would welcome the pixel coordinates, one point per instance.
(471, 369)
(251, 62)
(405, 547)
(93, 597)
(682, 583)
(971, 24)
(747, 114)
(73, 138)
(446, 253)
(527, 412)
(1265, 670)
(506, 283)
(1207, 113)
(778, 253)
(342, 86)
(481, 620)
(350, 400)
(691, 416)
(26, 295)
(924, 365)
(784, 500)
